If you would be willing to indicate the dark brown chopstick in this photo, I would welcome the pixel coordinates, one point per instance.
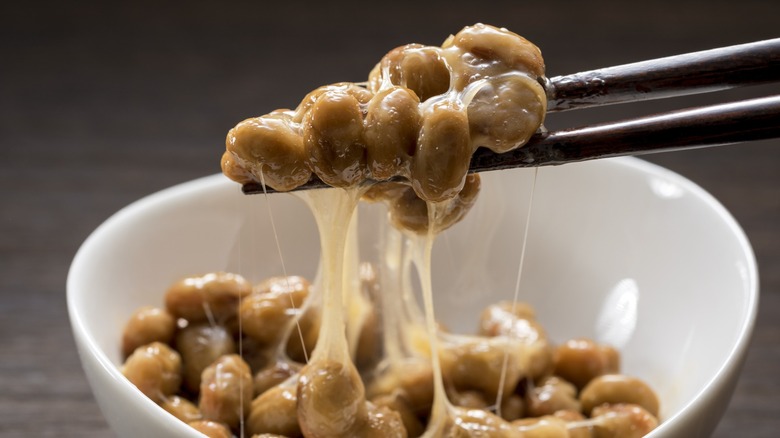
(698, 72)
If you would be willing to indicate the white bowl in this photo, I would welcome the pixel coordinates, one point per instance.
(619, 250)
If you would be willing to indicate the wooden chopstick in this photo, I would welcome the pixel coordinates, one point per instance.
(699, 72)
(691, 73)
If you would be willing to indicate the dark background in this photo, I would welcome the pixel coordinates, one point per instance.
(102, 103)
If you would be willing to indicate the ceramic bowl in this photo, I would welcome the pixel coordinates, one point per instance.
(618, 250)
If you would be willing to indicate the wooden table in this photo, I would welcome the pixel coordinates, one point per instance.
(101, 104)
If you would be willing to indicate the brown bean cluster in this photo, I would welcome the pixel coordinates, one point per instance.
(537, 398)
(190, 366)
(409, 212)
(184, 357)
(423, 113)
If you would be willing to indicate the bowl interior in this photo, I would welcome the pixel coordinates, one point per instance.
(618, 250)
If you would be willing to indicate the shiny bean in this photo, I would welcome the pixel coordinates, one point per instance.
(542, 427)
(576, 423)
(408, 212)
(212, 297)
(513, 408)
(569, 415)
(413, 379)
(381, 422)
(506, 319)
(506, 112)
(147, 325)
(155, 369)
(200, 345)
(211, 429)
(181, 408)
(443, 153)
(487, 51)
(616, 388)
(309, 326)
(273, 374)
(399, 403)
(478, 366)
(226, 390)
(269, 150)
(468, 399)
(622, 420)
(295, 288)
(385, 191)
(551, 395)
(264, 317)
(331, 399)
(468, 423)
(274, 412)
(518, 322)
(457, 208)
(236, 169)
(265, 314)
(362, 95)
(420, 68)
(581, 360)
(392, 126)
(333, 139)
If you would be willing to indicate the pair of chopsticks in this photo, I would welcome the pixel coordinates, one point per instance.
(699, 72)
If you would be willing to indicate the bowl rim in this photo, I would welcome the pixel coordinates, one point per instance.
(732, 364)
